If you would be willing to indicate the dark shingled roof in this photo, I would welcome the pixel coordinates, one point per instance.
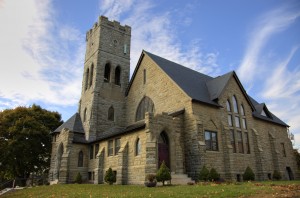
(217, 85)
(73, 124)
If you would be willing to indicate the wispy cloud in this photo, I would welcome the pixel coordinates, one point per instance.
(156, 33)
(271, 23)
(36, 59)
(278, 79)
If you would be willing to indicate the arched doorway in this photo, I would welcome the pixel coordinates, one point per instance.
(289, 173)
(163, 149)
(60, 151)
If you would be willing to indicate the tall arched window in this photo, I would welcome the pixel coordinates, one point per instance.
(242, 110)
(228, 106)
(86, 78)
(235, 105)
(107, 73)
(80, 159)
(146, 105)
(118, 76)
(138, 147)
(91, 75)
(111, 114)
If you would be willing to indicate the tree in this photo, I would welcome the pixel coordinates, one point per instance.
(110, 177)
(248, 174)
(213, 175)
(78, 178)
(25, 140)
(163, 174)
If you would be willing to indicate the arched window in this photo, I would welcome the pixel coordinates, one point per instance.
(111, 114)
(138, 147)
(84, 114)
(242, 110)
(91, 75)
(80, 159)
(118, 76)
(146, 105)
(228, 106)
(86, 79)
(235, 105)
(107, 73)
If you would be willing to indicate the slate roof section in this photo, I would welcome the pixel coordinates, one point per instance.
(73, 124)
(217, 85)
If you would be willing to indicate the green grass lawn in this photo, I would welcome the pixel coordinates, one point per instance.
(255, 189)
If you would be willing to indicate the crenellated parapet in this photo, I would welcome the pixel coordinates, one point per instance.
(115, 25)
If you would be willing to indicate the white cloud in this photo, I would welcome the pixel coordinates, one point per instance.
(37, 63)
(155, 32)
(273, 22)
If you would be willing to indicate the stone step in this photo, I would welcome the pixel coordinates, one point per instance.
(181, 179)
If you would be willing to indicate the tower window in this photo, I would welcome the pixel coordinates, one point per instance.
(107, 73)
(80, 159)
(111, 114)
(91, 75)
(118, 76)
(86, 79)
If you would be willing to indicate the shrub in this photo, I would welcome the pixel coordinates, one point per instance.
(204, 173)
(163, 173)
(78, 178)
(248, 174)
(213, 175)
(110, 177)
(276, 175)
(150, 177)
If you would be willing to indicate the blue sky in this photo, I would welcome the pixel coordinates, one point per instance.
(42, 46)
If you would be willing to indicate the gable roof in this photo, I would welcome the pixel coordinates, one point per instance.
(200, 87)
(73, 124)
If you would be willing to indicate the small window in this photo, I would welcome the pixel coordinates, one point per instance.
(80, 159)
(247, 145)
(118, 76)
(283, 149)
(96, 150)
(232, 141)
(235, 105)
(110, 147)
(84, 114)
(228, 106)
(91, 75)
(138, 147)
(240, 142)
(144, 76)
(237, 121)
(107, 73)
(229, 120)
(91, 151)
(211, 141)
(86, 78)
(117, 145)
(111, 114)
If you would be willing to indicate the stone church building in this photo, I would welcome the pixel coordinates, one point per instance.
(165, 112)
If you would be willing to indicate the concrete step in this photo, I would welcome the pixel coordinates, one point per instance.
(181, 179)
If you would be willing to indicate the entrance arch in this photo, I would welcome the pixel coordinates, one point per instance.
(163, 149)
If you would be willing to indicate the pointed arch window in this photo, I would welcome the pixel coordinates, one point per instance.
(235, 104)
(111, 114)
(146, 105)
(86, 78)
(242, 110)
(91, 75)
(80, 159)
(118, 76)
(138, 147)
(107, 73)
(228, 106)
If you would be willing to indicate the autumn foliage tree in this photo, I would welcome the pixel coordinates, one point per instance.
(25, 141)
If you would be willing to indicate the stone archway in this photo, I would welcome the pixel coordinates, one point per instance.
(163, 149)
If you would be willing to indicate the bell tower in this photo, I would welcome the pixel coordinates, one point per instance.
(105, 77)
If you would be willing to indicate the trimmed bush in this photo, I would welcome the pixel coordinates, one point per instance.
(110, 177)
(163, 174)
(150, 177)
(248, 174)
(276, 175)
(204, 174)
(213, 175)
(78, 178)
